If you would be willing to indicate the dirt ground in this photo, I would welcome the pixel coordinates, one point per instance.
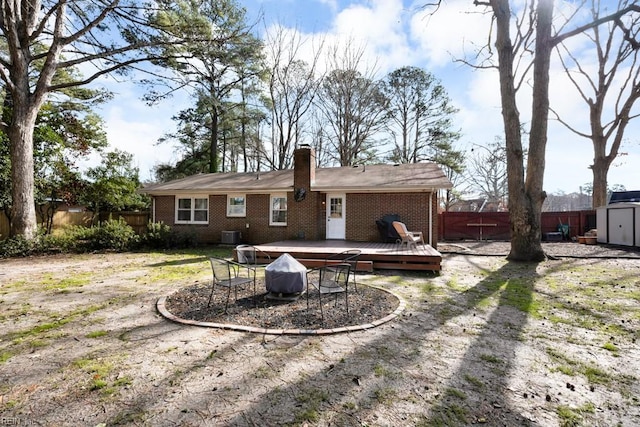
(485, 342)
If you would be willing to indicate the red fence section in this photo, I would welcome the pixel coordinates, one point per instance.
(474, 226)
(496, 225)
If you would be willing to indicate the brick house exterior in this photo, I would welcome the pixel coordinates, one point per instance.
(363, 194)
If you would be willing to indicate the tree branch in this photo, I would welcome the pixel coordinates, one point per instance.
(595, 23)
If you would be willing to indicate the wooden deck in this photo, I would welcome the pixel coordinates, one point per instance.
(389, 256)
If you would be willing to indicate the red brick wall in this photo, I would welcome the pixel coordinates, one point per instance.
(306, 218)
(363, 209)
(258, 211)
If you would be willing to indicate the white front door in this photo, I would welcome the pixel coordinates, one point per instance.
(336, 216)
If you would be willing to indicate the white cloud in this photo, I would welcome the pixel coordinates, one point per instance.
(453, 32)
(138, 135)
(135, 127)
(332, 4)
(478, 99)
(396, 34)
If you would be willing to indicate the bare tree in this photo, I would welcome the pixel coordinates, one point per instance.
(610, 93)
(42, 37)
(293, 84)
(534, 33)
(454, 171)
(487, 171)
(352, 106)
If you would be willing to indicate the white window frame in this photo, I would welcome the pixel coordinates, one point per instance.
(230, 207)
(192, 209)
(271, 210)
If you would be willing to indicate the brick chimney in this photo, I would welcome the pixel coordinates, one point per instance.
(303, 220)
(304, 167)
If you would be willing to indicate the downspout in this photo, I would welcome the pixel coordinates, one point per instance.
(431, 219)
(153, 209)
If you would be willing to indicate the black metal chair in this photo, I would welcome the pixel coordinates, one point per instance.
(332, 279)
(251, 256)
(349, 256)
(226, 274)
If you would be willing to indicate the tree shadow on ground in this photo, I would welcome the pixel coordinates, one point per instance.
(176, 262)
(358, 379)
(485, 367)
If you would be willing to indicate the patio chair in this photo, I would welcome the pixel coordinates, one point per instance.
(349, 256)
(251, 256)
(410, 238)
(332, 279)
(226, 274)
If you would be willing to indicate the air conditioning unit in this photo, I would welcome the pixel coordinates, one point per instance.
(230, 237)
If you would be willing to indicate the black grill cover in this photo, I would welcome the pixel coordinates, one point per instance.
(388, 234)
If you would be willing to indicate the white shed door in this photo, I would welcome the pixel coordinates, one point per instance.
(620, 230)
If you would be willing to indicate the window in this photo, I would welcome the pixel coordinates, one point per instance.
(236, 205)
(278, 209)
(192, 210)
(335, 207)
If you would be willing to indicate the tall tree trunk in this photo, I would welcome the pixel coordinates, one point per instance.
(20, 133)
(25, 106)
(243, 129)
(213, 142)
(525, 196)
(600, 169)
(526, 244)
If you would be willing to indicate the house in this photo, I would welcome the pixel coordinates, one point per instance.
(306, 203)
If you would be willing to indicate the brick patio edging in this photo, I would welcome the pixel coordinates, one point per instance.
(162, 308)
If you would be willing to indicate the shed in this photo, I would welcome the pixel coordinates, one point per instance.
(619, 223)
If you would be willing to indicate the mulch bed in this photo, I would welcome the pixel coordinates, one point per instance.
(366, 305)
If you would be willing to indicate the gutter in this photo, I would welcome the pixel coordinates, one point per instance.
(431, 219)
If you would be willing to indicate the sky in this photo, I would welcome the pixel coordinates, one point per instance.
(398, 33)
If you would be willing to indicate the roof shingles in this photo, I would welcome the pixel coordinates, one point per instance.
(391, 178)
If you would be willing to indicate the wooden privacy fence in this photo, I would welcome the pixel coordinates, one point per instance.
(4, 226)
(452, 225)
(61, 219)
(496, 225)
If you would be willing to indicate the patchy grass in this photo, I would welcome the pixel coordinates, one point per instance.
(570, 366)
(445, 416)
(384, 395)
(570, 417)
(432, 367)
(75, 280)
(454, 392)
(98, 369)
(97, 334)
(490, 358)
(4, 356)
(310, 401)
(611, 347)
(476, 382)
(46, 332)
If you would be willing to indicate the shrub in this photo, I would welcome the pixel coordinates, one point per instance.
(184, 239)
(75, 238)
(111, 234)
(115, 234)
(158, 236)
(15, 247)
(161, 236)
